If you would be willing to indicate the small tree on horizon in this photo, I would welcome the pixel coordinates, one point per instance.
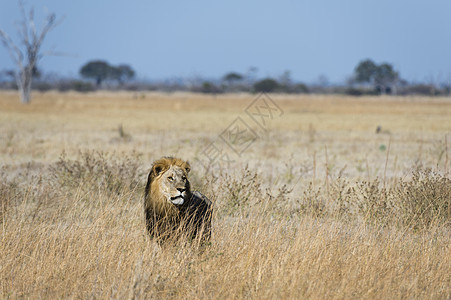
(122, 73)
(365, 71)
(385, 76)
(232, 77)
(27, 58)
(382, 77)
(100, 70)
(266, 85)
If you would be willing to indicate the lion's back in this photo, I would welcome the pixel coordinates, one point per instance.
(199, 204)
(199, 210)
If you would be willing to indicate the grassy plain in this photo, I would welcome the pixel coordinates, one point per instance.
(319, 205)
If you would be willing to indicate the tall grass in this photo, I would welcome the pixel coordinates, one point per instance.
(75, 229)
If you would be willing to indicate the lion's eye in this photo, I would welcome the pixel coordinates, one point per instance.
(183, 177)
(170, 178)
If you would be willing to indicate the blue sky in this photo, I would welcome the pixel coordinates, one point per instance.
(166, 39)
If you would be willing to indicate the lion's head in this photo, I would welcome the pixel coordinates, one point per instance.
(168, 184)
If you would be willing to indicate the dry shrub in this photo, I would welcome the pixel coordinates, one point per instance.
(51, 189)
(423, 201)
(99, 171)
(236, 194)
(6, 194)
(373, 202)
(312, 203)
(418, 203)
(28, 183)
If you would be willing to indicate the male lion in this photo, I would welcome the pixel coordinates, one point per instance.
(170, 207)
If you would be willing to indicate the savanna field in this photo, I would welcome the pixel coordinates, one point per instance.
(318, 197)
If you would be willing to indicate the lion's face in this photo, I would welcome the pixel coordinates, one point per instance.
(174, 185)
(167, 185)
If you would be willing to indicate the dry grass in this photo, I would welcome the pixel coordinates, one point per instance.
(371, 219)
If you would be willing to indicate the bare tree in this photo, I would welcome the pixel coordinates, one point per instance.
(26, 59)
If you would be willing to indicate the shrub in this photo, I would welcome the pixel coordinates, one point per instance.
(239, 193)
(42, 86)
(75, 85)
(267, 85)
(208, 87)
(373, 202)
(425, 200)
(419, 203)
(421, 89)
(99, 170)
(312, 203)
(300, 88)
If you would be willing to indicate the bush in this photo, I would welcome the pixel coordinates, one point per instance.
(75, 85)
(423, 201)
(82, 86)
(419, 203)
(300, 88)
(351, 91)
(373, 203)
(421, 89)
(102, 171)
(208, 87)
(267, 85)
(42, 86)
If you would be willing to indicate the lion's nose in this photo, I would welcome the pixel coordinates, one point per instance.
(181, 190)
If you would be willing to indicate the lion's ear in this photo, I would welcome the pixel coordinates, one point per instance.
(187, 167)
(157, 169)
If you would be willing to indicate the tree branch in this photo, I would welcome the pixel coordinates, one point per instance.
(32, 26)
(55, 53)
(14, 51)
(51, 23)
(24, 34)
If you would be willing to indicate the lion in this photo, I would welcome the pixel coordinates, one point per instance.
(170, 207)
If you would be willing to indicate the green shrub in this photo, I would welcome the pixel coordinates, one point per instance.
(266, 85)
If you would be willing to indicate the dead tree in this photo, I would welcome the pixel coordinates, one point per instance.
(26, 59)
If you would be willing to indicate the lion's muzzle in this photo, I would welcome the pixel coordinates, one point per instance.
(178, 200)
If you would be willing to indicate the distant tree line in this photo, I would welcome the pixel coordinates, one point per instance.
(368, 78)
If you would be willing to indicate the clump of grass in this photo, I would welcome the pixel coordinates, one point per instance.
(10, 137)
(311, 133)
(312, 203)
(238, 193)
(25, 183)
(424, 201)
(372, 201)
(123, 136)
(5, 198)
(99, 170)
(421, 202)
(342, 206)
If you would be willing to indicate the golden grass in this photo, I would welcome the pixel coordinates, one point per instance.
(109, 256)
(292, 224)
